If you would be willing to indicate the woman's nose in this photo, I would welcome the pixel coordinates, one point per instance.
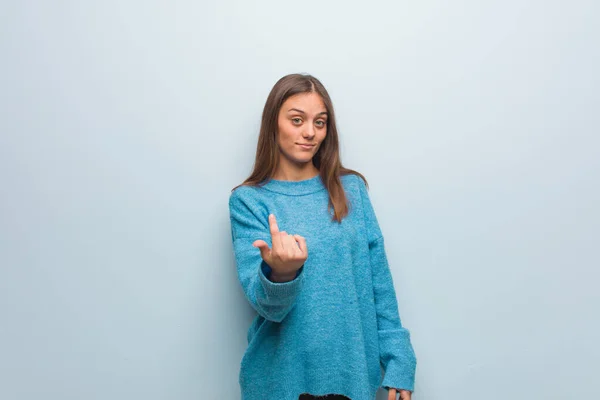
(309, 132)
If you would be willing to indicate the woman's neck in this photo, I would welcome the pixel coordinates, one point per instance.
(296, 175)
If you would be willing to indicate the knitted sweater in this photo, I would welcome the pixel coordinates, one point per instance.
(336, 324)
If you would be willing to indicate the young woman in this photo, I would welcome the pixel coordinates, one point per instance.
(311, 260)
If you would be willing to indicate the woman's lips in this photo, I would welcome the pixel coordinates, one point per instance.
(305, 146)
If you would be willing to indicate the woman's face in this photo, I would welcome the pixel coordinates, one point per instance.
(302, 120)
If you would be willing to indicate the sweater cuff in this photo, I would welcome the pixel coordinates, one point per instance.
(400, 368)
(279, 289)
(399, 377)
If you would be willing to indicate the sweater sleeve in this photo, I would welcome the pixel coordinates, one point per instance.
(396, 352)
(271, 300)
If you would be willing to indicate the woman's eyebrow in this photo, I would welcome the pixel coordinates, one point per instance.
(302, 112)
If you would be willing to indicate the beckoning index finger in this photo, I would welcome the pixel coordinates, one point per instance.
(275, 236)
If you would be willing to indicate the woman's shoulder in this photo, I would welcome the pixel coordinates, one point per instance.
(243, 194)
(353, 181)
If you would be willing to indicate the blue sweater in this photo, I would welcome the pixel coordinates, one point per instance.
(336, 324)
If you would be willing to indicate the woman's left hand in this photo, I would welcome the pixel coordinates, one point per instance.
(404, 394)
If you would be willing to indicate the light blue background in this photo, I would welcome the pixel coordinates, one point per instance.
(124, 125)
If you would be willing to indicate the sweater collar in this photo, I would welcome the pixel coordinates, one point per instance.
(295, 188)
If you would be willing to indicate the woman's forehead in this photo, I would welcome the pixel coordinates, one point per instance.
(305, 102)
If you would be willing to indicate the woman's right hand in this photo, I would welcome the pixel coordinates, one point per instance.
(288, 254)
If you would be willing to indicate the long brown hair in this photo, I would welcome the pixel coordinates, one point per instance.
(326, 160)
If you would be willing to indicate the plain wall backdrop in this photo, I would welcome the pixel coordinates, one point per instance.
(125, 124)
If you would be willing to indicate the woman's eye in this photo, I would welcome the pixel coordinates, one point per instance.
(321, 123)
(296, 120)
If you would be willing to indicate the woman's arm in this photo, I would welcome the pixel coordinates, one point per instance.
(272, 300)
(396, 352)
